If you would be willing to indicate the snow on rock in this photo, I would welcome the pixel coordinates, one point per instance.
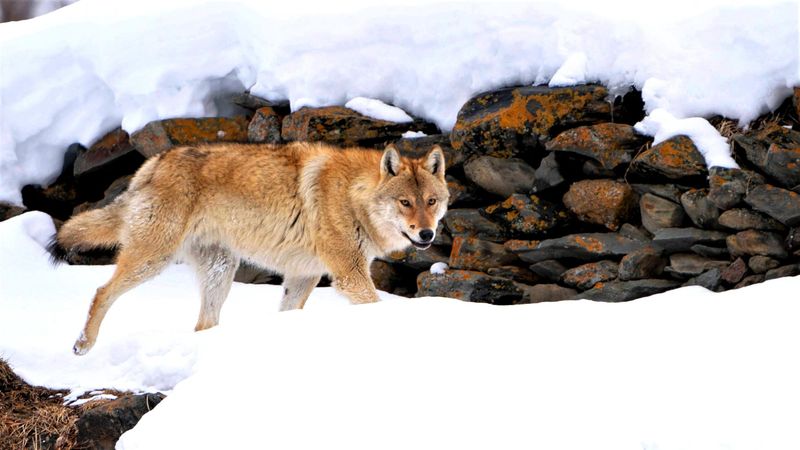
(376, 109)
(413, 134)
(439, 268)
(572, 72)
(714, 147)
(60, 83)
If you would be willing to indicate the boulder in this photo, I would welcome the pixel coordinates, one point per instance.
(623, 291)
(740, 219)
(586, 247)
(701, 211)
(502, 177)
(470, 222)
(100, 427)
(611, 145)
(778, 203)
(671, 192)
(344, 127)
(518, 274)
(749, 281)
(734, 272)
(161, 135)
(658, 213)
(646, 262)
(587, 275)
(265, 126)
(754, 242)
(674, 240)
(781, 272)
(676, 158)
(461, 192)
(474, 254)
(507, 122)
(469, 286)
(710, 252)
(601, 202)
(7, 210)
(727, 187)
(633, 232)
(527, 215)
(540, 293)
(385, 276)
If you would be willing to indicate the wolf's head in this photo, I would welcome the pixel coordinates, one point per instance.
(412, 197)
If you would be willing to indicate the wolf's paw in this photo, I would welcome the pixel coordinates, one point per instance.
(82, 345)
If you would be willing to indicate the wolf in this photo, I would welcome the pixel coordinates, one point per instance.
(302, 209)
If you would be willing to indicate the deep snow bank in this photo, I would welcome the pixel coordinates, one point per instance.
(76, 73)
(683, 370)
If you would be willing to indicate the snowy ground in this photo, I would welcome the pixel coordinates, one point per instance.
(75, 74)
(688, 369)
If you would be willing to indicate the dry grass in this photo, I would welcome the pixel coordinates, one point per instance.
(33, 417)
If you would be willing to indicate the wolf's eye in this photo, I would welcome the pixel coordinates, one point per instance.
(405, 203)
(432, 201)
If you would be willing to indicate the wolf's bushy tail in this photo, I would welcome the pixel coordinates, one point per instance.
(89, 230)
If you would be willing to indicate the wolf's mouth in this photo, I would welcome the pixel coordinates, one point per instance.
(419, 245)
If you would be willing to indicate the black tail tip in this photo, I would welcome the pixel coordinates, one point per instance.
(58, 253)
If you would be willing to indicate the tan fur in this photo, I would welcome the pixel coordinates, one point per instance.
(304, 210)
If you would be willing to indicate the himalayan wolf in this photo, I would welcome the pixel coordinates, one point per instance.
(304, 210)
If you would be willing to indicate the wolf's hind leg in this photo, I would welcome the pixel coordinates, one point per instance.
(134, 266)
(216, 267)
(296, 291)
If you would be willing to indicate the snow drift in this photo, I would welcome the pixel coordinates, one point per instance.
(78, 72)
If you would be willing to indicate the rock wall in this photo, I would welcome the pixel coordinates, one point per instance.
(553, 194)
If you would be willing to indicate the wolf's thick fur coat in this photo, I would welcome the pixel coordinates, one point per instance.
(304, 210)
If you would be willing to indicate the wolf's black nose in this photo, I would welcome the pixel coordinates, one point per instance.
(426, 235)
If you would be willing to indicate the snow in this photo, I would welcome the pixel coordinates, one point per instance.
(60, 83)
(376, 109)
(439, 268)
(685, 370)
(662, 125)
(413, 134)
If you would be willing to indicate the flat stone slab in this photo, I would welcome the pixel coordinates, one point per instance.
(587, 247)
(781, 204)
(674, 240)
(623, 291)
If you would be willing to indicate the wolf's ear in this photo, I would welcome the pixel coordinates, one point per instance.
(390, 162)
(434, 161)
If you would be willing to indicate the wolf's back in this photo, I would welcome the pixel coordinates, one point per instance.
(94, 229)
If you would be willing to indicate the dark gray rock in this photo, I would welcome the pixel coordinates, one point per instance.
(700, 210)
(754, 242)
(470, 222)
(587, 275)
(727, 187)
(418, 259)
(632, 232)
(550, 269)
(469, 286)
(674, 240)
(741, 219)
(623, 291)
(779, 203)
(548, 174)
(774, 150)
(784, 271)
(527, 215)
(762, 264)
(647, 262)
(586, 247)
(461, 192)
(499, 176)
(710, 251)
(710, 279)
(684, 265)
(518, 274)
(540, 293)
(658, 213)
(670, 192)
(113, 152)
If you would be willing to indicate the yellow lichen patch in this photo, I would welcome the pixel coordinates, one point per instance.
(589, 243)
(518, 245)
(196, 131)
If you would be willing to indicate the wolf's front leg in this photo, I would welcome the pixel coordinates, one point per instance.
(353, 280)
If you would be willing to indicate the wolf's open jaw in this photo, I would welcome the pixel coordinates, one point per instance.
(418, 245)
